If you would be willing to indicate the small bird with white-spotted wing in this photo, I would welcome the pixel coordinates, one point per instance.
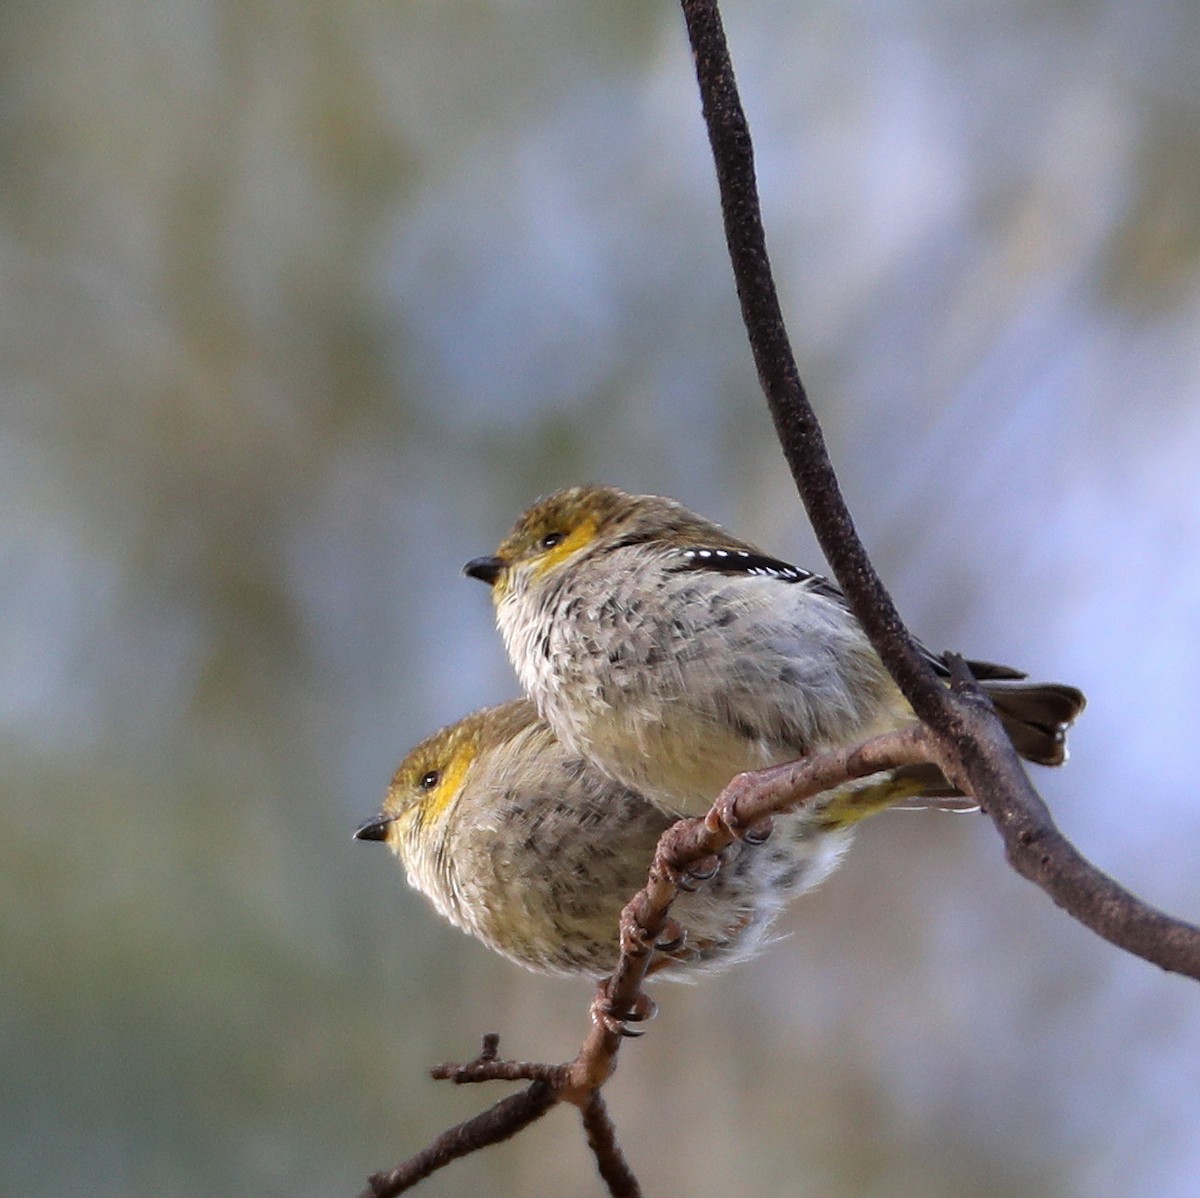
(675, 655)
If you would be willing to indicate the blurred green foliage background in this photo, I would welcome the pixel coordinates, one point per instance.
(301, 304)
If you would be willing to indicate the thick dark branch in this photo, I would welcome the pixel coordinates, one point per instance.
(975, 752)
(989, 767)
(795, 421)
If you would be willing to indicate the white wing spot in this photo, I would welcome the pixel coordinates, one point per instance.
(788, 573)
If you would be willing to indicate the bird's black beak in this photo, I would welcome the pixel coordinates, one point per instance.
(376, 828)
(486, 569)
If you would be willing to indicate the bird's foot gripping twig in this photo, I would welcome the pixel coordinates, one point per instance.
(725, 820)
(613, 1016)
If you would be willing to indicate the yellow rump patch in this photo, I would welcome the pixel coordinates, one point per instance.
(850, 806)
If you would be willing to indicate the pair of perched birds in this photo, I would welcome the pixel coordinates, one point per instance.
(661, 657)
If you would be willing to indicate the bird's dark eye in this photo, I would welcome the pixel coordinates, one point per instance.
(431, 779)
(551, 539)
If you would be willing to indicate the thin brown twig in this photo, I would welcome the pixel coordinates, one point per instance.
(487, 1067)
(748, 800)
(499, 1122)
(744, 803)
(610, 1160)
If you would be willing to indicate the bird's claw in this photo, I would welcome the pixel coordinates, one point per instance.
(698, 872)
(704, 869)
(675, 937)
(759, 832)
(643, 1009)
(724, 815)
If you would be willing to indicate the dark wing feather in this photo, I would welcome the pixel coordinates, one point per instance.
(722, 560)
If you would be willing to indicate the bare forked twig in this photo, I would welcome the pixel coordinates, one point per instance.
(745, 803)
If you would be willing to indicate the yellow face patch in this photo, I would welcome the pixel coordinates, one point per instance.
(440, 798)
(443, 760)
(580, 537)
(527, 557)
(428, 783)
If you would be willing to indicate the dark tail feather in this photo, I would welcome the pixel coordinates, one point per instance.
(1036, 715)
